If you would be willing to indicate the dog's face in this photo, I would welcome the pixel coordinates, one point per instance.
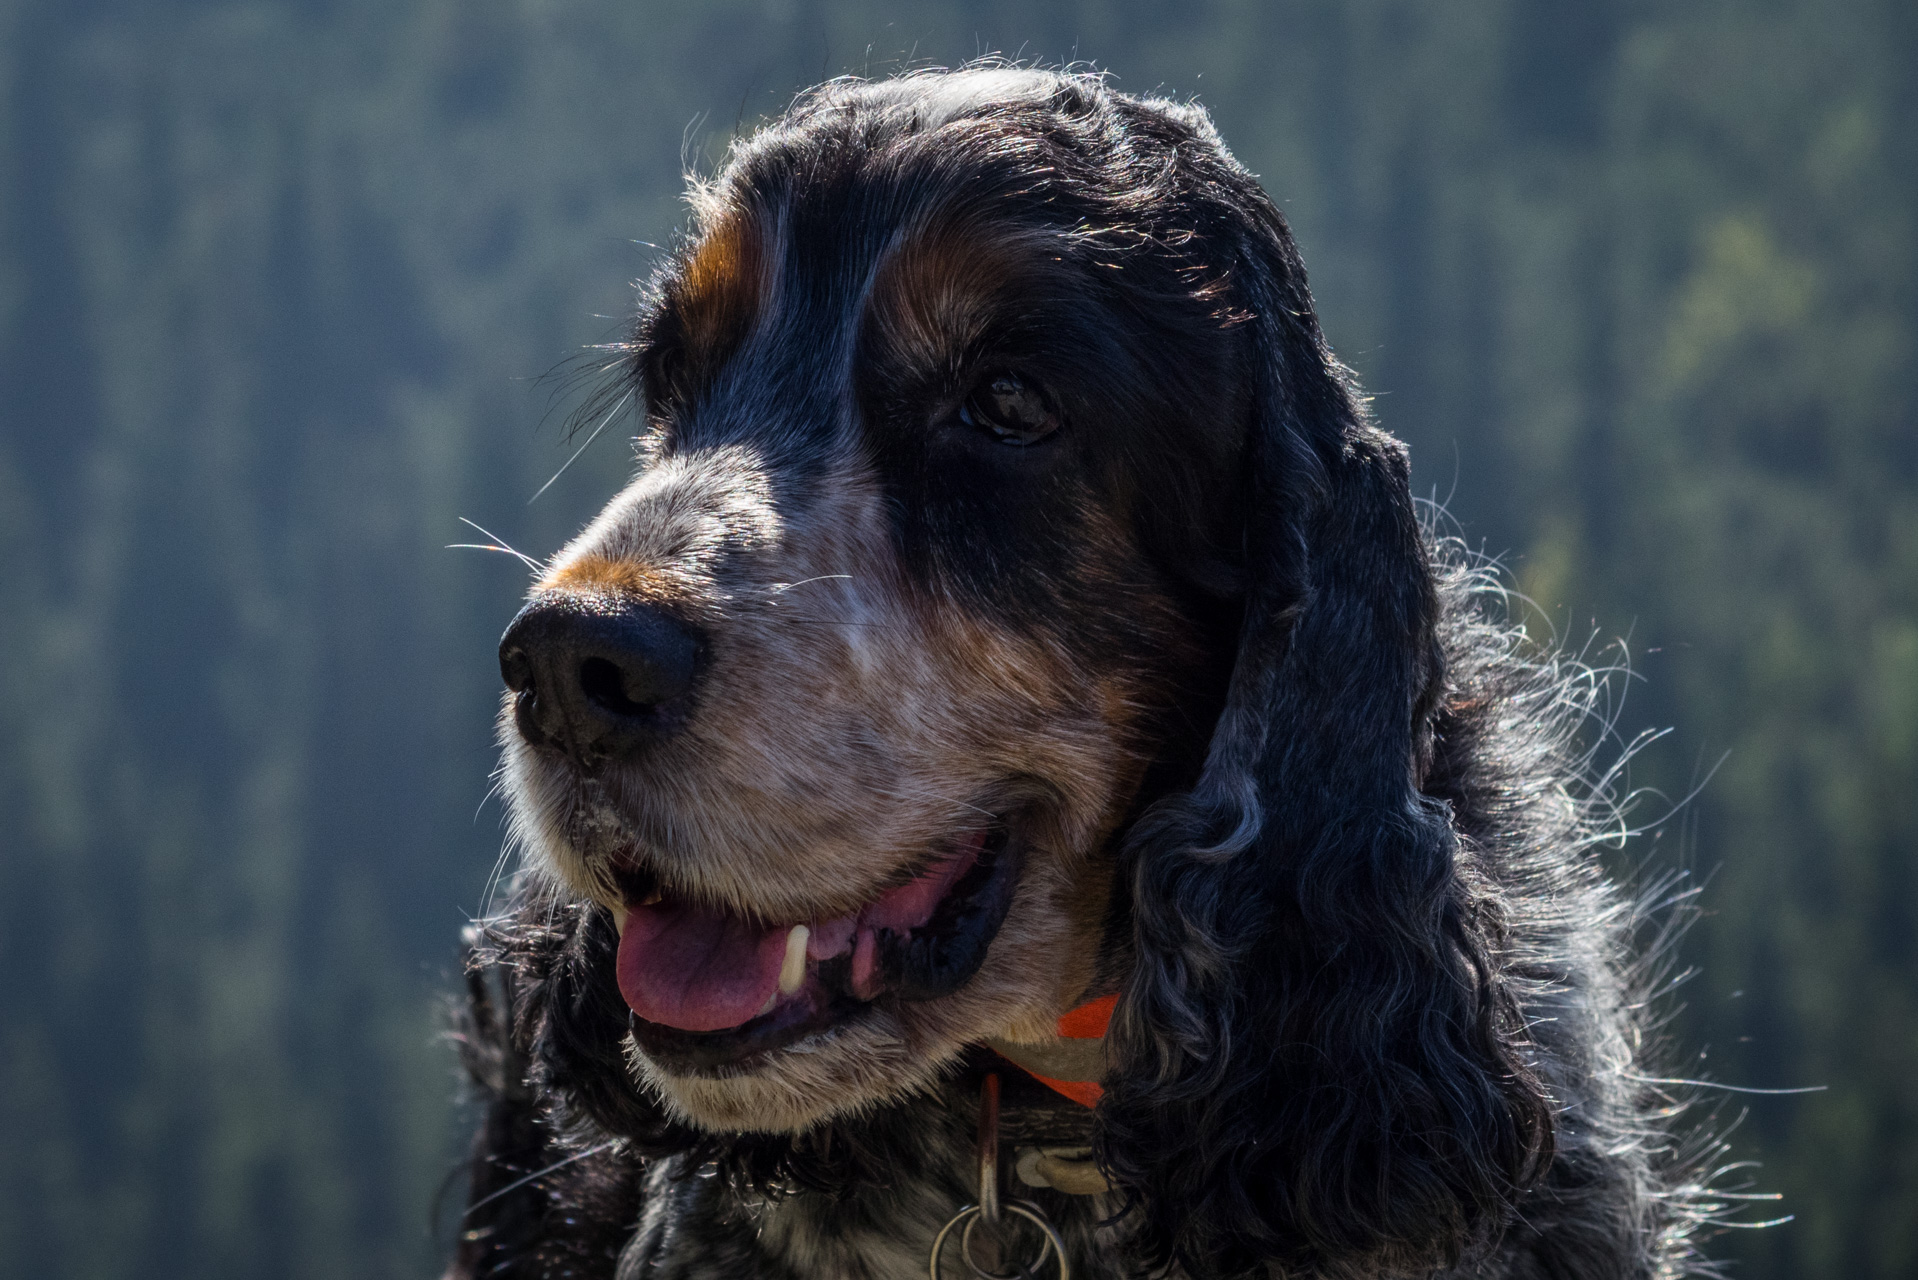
(838, 706)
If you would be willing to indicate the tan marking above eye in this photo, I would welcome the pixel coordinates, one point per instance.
(934, 291)
(720, 290)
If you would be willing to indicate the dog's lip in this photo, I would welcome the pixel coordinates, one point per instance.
(915, 942)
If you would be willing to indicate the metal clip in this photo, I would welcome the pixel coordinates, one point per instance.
(992, 1210)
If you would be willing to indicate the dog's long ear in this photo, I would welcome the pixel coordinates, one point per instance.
(1316, 1061)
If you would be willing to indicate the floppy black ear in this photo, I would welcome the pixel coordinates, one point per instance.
(1316, 1060)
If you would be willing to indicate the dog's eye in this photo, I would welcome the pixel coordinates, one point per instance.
(1011, 409)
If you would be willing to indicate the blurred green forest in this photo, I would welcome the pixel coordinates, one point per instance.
(277, 284)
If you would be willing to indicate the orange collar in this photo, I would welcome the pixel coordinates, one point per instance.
(1087, 1022)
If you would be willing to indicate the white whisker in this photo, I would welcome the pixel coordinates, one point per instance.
(497, 544)
(617, 406)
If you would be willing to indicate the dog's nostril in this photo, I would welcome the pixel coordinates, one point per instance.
(602, 683)
(637, 662)
(516, 669)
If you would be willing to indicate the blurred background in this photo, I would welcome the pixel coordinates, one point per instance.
(278, 283)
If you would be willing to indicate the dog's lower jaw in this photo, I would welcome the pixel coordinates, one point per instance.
(845, 1071)
(1040, 961)
(894, 1051)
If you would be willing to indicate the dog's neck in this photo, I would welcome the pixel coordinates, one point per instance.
(920, 1167)
(883, 1221)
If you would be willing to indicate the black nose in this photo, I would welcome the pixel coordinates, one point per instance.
(596, 676)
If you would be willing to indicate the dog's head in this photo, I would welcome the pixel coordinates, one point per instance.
(1015, 605)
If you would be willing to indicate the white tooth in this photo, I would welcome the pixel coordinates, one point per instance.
(620, 916)
(767, 1008)
(793, 971)
(652, 899)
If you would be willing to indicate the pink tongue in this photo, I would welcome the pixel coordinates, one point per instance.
(697, 970)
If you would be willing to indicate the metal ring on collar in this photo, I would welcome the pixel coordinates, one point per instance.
(970, 1216)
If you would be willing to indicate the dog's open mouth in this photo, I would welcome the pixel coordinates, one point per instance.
(711, 989)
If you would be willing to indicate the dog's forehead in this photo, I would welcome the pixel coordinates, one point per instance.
(819, 236)
(781, 295)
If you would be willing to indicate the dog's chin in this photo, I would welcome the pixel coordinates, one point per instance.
(847, 1071)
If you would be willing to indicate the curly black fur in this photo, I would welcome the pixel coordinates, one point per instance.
(1320, 1059)
(1377, 1016)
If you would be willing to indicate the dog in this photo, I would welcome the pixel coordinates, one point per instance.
(1015, 742)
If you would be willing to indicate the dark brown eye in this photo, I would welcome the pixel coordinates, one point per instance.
(1010, 409)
